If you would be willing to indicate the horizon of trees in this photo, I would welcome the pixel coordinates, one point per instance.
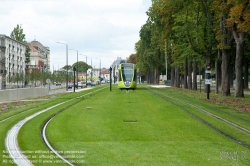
(189, 34)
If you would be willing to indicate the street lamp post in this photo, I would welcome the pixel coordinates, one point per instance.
(86, 68)
(100, 69)
(67, 77)
(76, 67)
(91, 70)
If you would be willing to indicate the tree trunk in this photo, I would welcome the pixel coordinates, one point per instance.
(231, 73)
(172, 76)
(189, 74)
(239, 63)
(225, 88)
(177, 77)
(226, 41)
(185, 73)
(219, 75)
(216, 73)
(246, 74)
(195, 76)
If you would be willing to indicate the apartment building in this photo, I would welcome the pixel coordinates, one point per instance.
(39, 57)
(12, 61)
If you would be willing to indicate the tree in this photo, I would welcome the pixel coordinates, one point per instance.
(17, 34)
(239, 24)
(69, 67)
(132, 59)
(82, 66)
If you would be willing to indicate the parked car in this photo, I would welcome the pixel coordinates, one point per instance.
(70, 85)
(81, 85)
(103, 82)
(57, 83)
(88, 82)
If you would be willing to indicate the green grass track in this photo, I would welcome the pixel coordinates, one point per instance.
(16, 115)
(137, 128)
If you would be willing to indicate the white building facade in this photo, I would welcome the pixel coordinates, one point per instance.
(39, 57)
(12, 62)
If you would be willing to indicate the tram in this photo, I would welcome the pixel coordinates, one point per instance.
(127, 78)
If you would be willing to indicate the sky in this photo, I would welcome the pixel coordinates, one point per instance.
(102, 30)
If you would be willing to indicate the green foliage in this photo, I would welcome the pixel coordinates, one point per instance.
(82, 66)
(17, 34)
(69, 67)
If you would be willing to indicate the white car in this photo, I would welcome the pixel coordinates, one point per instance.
(81, 85)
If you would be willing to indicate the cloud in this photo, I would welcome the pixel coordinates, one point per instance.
(101, 29)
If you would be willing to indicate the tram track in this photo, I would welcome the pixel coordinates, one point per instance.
(43, 130)
(21, 112)
(205, 112)
(11, 142)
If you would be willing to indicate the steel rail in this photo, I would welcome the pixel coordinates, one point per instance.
(51, 118)
(11, 140)
(210, 114)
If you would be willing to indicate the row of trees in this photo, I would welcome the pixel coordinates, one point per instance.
(35, 78)
(192, 33)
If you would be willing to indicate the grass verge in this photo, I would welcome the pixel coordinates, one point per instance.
(136, 128)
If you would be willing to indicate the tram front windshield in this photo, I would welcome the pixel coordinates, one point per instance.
(127, 74)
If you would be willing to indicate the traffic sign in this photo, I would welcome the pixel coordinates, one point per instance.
(208, 81)
(208, 71)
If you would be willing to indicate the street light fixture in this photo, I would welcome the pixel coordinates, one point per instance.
(76, 67)
(67, 77)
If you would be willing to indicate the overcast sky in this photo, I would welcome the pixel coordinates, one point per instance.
(99, 29)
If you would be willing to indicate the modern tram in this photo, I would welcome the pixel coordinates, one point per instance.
(127, 78)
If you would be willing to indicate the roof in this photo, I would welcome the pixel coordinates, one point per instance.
(33, 49)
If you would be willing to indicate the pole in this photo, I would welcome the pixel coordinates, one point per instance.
(74, 69)
(67, 74)
(77, 69)
(76, 65)
(208, 71)
(166, 59)
(91, 70)
(66, 64)
(86, 71)
(110, 82)
(99, 70)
